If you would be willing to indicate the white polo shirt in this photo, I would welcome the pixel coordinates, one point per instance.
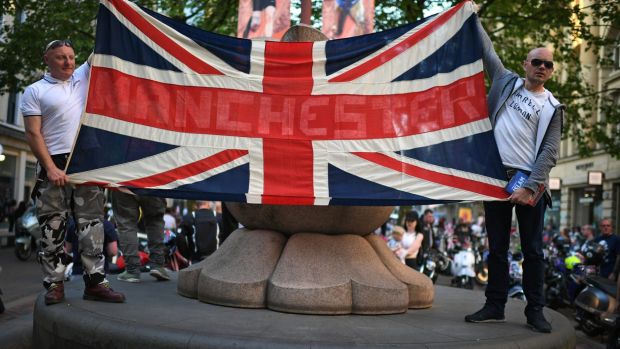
(60, 105)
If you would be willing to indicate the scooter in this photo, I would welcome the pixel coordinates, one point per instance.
(463, 269)
(442, 257)
(428, 266)
(174, 258)
(515, 272)
(443, 262)
(566, 278)
(27, 234)
(595, 307)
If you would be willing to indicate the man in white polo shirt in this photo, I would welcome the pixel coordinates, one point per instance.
(52, 108)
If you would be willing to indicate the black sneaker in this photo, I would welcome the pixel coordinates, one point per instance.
(537, 322)
(486, 314)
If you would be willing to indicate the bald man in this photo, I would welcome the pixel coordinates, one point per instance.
(527, 122)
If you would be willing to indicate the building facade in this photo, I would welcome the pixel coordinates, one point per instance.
(17, 163)
(588, 189)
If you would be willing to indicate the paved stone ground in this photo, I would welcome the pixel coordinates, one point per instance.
(583, 341)
(154, 316)
(20, 282)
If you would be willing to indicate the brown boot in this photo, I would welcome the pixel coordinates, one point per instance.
(104, 293)
(55, 293)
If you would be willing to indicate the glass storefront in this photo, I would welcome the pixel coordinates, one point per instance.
(7, 178)
(587, 205)
(552, 214)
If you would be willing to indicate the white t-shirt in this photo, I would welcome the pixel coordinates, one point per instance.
(60, 105)
(169, 222)
(408, 240)
(516, 128)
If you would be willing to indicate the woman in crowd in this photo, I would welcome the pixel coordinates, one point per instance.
(412, 239)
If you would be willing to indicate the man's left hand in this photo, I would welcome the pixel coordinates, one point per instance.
(521, 196)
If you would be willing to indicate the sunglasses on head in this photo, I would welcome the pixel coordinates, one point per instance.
(537, 62)
(58, 43)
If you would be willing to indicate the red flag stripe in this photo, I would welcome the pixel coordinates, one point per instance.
(188, 170)
(435, 177)
(284, 162)
(204, 110)
(162, 40)
(397, 49)
(288, 68)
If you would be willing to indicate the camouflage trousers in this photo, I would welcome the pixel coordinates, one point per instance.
(54, 204)
(127, 210)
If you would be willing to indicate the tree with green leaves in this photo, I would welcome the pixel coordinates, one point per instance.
(514, 27)
(573, 31)
(22, 42)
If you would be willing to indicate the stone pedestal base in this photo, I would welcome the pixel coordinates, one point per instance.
(307, 273)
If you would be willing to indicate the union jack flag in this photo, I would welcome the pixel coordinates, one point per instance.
(396, 117)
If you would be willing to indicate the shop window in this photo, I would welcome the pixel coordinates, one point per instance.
(552, 214)
(7, 179)
(11, 111)
(587, 205)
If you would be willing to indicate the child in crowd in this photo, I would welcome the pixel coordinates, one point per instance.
(395, 244)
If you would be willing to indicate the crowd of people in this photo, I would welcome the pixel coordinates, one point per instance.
(574, 241)
(405, 238)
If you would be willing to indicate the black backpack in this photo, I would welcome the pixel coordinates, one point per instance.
(206, 231)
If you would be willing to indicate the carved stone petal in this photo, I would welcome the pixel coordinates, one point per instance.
(421, 290)
(334, 274)
(237, 273)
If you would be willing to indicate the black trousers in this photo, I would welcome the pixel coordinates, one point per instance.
(498, 215)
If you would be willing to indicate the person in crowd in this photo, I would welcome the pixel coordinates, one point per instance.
(527, 122)
(575, 236)
(52, 108)
(170, 223)
(229, 224)
(110, 243)
(463, 231)
(219, 216)
(587, 232)
(201, 226)
(548, 233)
(440, 234)
(426, 226)
(395, 242)
(607, 236)
(127, 211)
(9, 212)
(16, 215)
(412, 239)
